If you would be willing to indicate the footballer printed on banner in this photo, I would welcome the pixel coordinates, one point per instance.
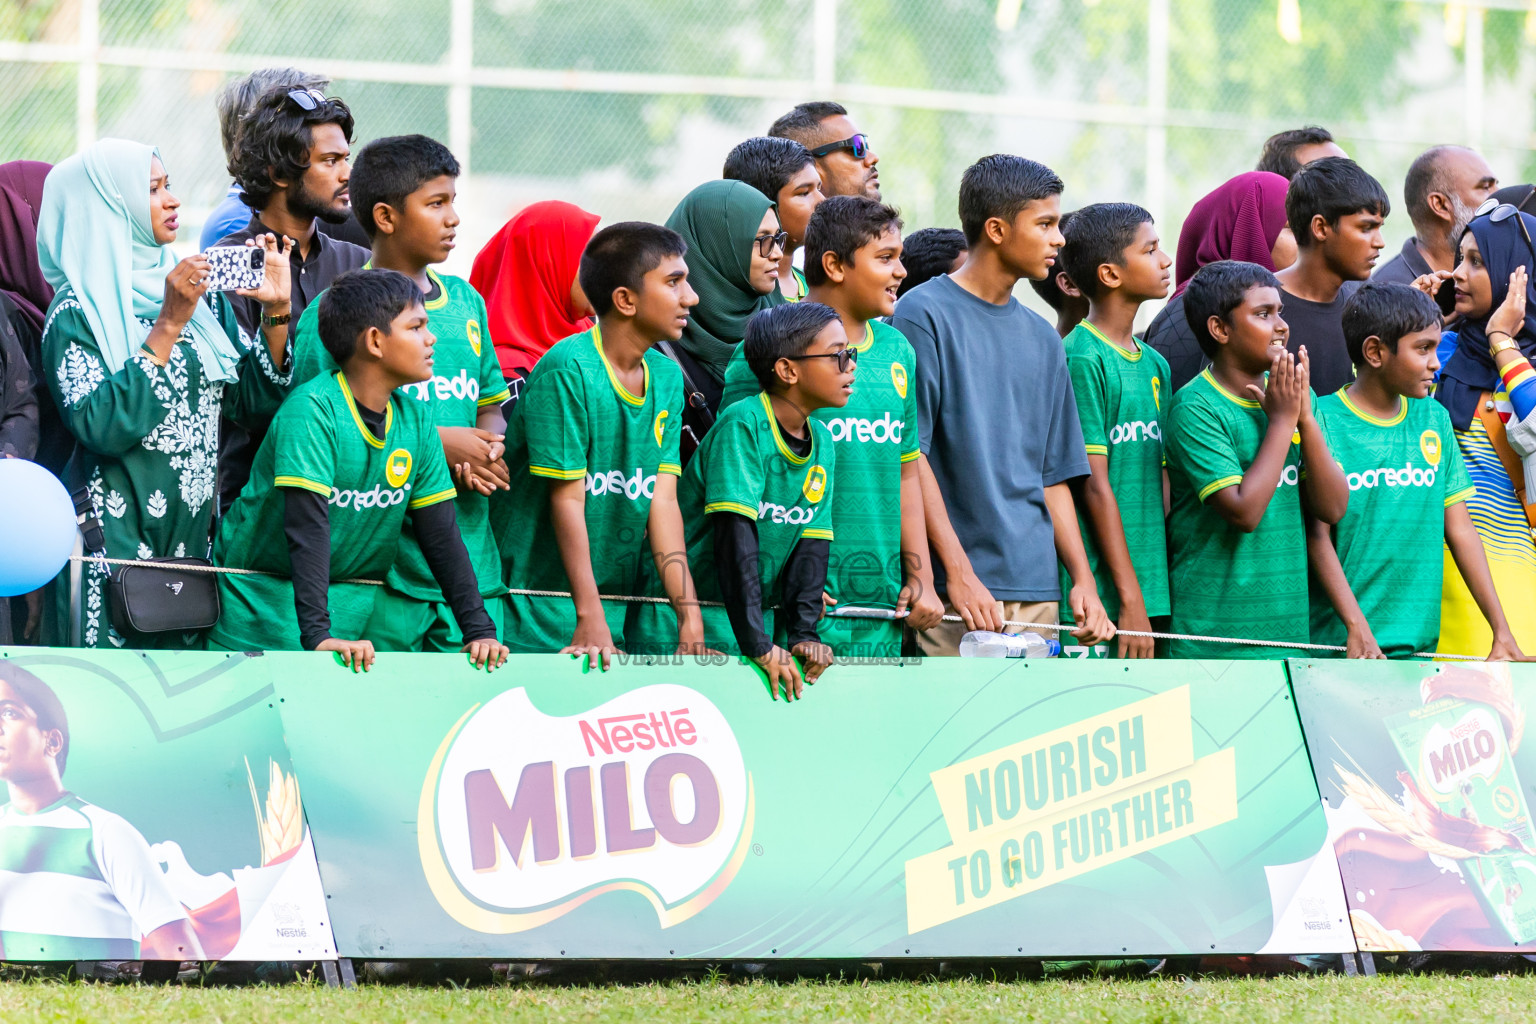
(525, 816)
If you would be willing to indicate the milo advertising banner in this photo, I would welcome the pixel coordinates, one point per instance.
(150, 811)
(1425, 773)
(955, 808)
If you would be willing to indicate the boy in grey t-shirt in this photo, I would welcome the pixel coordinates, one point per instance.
(999, 427)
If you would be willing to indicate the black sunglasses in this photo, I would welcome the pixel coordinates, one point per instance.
(1498, 212)
(858, 145)
(306, 99)
(767, 243)
(846, 358)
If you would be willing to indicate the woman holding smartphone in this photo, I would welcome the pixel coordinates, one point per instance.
(142, 360)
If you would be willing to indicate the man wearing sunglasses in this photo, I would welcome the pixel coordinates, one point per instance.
(1443, 187)
(290, 158)
(844, 157)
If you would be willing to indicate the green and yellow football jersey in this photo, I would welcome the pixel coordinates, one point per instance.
(1223, 582)
(874, 435)
(744, 467)
(1403, 473)
(575, 421)
(318, 442)
(1119, 404)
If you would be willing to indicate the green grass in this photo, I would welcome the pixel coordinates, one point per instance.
(1428, 998)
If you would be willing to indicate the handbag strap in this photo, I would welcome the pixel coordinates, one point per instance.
(1488, 415)
(91, 533)
(695, 394)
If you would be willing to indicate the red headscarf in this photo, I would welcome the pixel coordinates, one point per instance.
(1238, 221)
(525, 274)
(21, 278)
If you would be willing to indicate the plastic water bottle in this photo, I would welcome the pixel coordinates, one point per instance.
(980, 643)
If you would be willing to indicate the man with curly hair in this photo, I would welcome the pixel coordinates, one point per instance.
(290, 158)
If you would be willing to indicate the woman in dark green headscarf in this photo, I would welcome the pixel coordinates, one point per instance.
(734, 247)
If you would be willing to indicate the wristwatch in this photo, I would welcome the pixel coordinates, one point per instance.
(275, 321)
(1495, 347)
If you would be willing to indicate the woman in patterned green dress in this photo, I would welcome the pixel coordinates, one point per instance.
(142, 360)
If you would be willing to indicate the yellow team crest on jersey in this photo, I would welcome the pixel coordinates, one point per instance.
(660, 426)
(472, 331)
(899, 378)
(397, 468)
(815, 484)
(1429, 444)
(1157, 394)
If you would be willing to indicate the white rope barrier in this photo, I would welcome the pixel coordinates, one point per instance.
(844, 613)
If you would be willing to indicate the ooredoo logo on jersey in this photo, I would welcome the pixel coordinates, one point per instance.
(525, 816)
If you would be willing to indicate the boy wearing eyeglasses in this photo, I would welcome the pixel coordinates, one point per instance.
(757, 501)
(879, 560)
(843, 154)
(405, 188)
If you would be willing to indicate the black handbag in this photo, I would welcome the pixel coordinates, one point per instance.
(160, 598)
(164, 597)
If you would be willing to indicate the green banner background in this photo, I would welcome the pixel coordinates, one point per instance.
(843, 800)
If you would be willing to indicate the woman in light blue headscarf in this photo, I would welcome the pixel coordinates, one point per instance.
(142, 361)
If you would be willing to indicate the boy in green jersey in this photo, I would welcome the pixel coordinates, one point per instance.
(593, 453)
(403, 189)
(1236, 444)
(1377, 573)
(1114, 257)
(757, 499)
(880, 557)
(348, 458)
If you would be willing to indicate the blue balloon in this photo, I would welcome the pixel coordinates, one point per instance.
(37, 526)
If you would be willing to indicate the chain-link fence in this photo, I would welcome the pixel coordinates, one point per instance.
(623, 107)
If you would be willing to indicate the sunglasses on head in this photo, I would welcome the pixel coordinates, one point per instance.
(858, 145)
(1498, 212)
(767, 243)
(846, 358)
(306, 99)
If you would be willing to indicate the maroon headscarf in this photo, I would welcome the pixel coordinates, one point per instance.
(1240, 220)
(21, 193)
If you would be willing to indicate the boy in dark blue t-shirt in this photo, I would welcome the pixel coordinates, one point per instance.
(999, 429)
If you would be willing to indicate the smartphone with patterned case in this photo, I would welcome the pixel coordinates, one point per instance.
(236, 266)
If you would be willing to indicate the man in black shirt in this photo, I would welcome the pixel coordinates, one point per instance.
(1335, 210)
(1445, 185)
(290, 159)
(1287, 152)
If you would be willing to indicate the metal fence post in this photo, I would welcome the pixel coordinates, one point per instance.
(1157, 105)
(88, 82)
(461, 59)
(824, 57)
(1472, 55)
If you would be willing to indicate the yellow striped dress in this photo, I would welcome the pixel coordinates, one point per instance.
(1506, 534)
